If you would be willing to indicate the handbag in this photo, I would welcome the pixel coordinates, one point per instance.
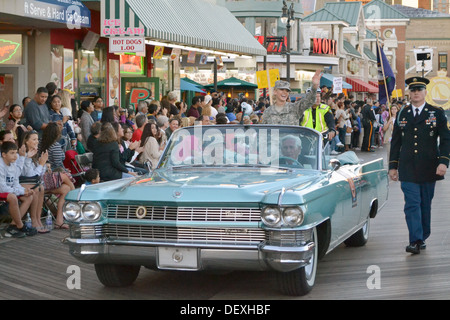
(52, 180)
(30, 180)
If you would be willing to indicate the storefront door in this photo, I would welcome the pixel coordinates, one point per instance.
(136, 89)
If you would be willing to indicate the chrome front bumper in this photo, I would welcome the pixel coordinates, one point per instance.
(209, 257)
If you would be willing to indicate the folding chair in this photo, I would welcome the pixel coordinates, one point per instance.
(5, 217)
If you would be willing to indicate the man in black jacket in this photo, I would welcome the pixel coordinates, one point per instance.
(368, 118)
(418, 160)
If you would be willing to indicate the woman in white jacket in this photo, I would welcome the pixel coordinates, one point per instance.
(152, 149)
(35, 166)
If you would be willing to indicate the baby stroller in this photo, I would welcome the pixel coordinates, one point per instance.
(71, 164)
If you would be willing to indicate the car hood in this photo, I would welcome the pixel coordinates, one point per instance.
(206, 185)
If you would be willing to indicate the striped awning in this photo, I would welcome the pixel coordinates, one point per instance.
(361, 86)
(195, 23)
(375, 84)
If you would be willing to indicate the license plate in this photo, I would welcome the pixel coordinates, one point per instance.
(177, 258)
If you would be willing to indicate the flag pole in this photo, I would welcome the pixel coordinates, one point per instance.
(384, 77)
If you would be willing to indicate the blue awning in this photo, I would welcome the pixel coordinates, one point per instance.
(327, 80)
(186, 86)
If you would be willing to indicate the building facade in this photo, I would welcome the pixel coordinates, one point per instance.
(262, 18)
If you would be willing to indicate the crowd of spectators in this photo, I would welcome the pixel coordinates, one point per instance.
(129, 142)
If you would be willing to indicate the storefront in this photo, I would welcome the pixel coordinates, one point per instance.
(176, 42)
(25, 36)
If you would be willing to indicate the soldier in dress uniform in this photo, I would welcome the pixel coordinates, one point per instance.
(288, 113)
(418, 160)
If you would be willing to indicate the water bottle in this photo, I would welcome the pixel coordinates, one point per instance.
(49, 221)
(28, 221)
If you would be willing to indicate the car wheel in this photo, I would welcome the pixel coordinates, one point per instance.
(301, 281)
(361, 237)
(112, 275)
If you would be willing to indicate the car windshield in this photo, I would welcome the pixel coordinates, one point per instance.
(243, 146)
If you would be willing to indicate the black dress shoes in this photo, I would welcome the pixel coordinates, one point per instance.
(413, 248)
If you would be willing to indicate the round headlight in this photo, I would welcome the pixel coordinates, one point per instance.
(92, 211)
(271, 216)
(71, 211)
(293, 216)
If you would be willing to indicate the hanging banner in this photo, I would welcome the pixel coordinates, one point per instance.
(191, 57)
(57, 53)
(68, 70)
(175, 54)
(203, 58)
(114, 82)
(158, 52)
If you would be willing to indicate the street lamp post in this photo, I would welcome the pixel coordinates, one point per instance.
(287, 18)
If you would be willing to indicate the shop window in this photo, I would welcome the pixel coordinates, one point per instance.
(407, 62)
(91, 72)
(161, 70)
(443, 58)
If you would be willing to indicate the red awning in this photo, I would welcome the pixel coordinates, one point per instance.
(361, 86)
(375, 84)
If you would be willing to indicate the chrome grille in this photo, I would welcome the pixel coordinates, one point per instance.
(186, 214)
(288, 238)
(246, 236)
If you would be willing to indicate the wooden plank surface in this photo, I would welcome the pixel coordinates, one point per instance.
(36, 267)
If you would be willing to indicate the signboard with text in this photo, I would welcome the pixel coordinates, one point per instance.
(274, 44)
(337, 85)
(114, 27)
(323, 46)
(126, 44)
(71, 12)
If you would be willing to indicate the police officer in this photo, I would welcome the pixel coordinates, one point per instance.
(417, 160)
(288, 113)
(319, 117)
(368, 118)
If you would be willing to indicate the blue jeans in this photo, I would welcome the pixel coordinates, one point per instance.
(418, 197)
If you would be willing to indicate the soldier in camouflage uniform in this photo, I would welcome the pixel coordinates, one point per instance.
(288, 113)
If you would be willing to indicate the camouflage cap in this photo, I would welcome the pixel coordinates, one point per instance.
(280, 84)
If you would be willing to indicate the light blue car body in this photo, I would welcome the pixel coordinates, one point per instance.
(214, 210)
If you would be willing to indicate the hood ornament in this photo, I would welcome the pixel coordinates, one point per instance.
(177, 194)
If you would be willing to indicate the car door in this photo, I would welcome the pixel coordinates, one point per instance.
(348, 206)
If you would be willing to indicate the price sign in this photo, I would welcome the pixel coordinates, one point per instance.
(126, 44)
(337, 85)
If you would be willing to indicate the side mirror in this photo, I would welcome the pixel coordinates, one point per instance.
(335, 164)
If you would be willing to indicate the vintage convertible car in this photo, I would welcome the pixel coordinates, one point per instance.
(229, 197)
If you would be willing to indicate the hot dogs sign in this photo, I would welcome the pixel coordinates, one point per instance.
(130, 40)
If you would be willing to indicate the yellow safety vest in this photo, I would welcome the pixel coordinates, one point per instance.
(321, 125)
